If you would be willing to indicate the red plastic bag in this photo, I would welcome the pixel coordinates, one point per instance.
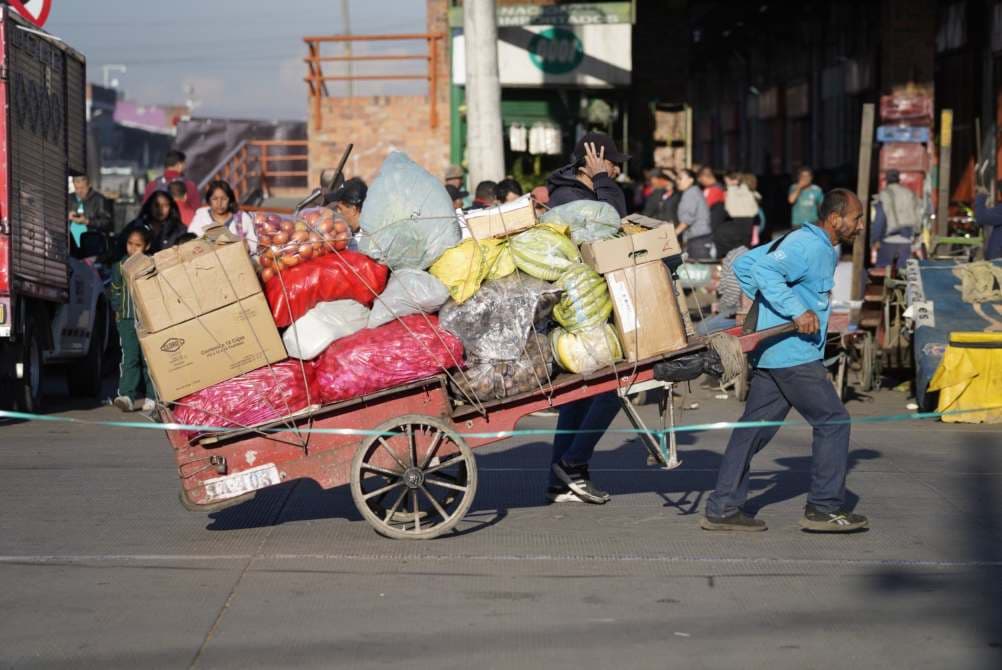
(347, 275)
(401, 351)
(253, 398)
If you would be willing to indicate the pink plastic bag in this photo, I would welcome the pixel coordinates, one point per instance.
(253, 398)
(401, 351)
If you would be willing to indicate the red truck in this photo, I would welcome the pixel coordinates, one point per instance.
(53, 312)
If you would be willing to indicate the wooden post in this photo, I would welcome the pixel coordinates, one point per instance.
(433, 79)
(945, 146)
(860, 245)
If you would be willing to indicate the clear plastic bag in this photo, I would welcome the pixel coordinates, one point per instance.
(408, 292)
(313, 332)
(544, 251)
(286, 241)
(496, 380)
(407, 220)
(495, 323)
(587, 350)
(589, 220)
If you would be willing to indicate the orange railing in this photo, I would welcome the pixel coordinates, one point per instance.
(317, 80)
(250, 167)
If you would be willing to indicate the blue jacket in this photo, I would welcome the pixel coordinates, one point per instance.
(796, 277)
(991, 219)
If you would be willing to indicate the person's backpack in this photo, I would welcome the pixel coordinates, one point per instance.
(740, 202)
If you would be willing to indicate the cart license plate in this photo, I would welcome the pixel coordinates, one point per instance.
(230, 486)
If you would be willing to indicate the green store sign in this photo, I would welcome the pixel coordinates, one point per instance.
(556, 51)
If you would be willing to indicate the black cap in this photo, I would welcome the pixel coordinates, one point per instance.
(351, 192)
(600, 140)
(455, 193)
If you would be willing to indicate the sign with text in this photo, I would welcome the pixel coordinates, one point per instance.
(589, 55)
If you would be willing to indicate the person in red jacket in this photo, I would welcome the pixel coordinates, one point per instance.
(174, 164)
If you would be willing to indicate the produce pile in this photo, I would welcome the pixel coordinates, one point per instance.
(410, 298)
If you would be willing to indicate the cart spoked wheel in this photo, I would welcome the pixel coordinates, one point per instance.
(415, 480)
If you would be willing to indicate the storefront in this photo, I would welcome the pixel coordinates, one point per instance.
(564, 69)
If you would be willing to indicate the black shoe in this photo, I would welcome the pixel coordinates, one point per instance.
(842, 521)
(737, 521)
(562, 494)
(578, 480)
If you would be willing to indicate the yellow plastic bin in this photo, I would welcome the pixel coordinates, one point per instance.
(970, 378)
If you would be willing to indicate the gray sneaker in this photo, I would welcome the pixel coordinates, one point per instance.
(738, 521)
(842, 521)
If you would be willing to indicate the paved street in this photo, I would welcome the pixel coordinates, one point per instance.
(101, 567)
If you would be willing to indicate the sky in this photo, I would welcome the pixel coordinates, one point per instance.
(243, 58)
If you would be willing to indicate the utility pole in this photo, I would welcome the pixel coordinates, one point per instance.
(484, 143)
(860, 245)
(346, 21)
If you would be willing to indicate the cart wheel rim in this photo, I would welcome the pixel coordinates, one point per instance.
(415, 480)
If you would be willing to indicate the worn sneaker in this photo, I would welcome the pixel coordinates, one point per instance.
(559, 493)
(842, 521)
(124, 403)
(737, 521)
(579, 481)
(149, 404)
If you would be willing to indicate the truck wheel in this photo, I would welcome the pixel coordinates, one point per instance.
(84, 376)
(28, 389)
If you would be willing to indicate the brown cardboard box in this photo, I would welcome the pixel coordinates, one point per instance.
(214, 347)
(180, 283)
(620, 252)
(645, 311)
(501, 220)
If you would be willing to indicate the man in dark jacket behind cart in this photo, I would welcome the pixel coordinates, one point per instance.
(589, 177)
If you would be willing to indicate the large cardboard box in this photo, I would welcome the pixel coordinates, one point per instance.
(645, 310)
(606, 256)
(501, 220)
(212, 348)
(198, 277)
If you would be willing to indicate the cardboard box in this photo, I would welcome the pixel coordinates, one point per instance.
(198, 277)
(501, 220)
(212, 348)
(621, 252)
(645, 311)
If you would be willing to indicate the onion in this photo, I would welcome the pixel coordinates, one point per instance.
(300, 225)
(306, 251)
(341, 245)
(264, 240)
(340, 226)
(311, 217)
(316, 237)
(300, 236)
(266, 261)
(279, 239)
(288, 226)
(291, 260)
(326, 226)
(267, 274)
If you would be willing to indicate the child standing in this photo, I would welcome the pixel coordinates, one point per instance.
(132, 369)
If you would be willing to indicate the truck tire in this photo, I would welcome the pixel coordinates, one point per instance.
(28, 389)
(85, 375)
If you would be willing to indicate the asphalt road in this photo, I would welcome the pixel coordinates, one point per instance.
(101, 567)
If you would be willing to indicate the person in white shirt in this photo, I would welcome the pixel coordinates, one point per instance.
(223, 210)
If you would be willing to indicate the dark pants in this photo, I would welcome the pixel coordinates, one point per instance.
(132, 370)
(888, 252)
(770, 396)
(590, 414)
(700, 248)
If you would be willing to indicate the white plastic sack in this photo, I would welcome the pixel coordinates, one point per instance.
(314, 331)
(589, 220)
(407, 220)
(408, 292)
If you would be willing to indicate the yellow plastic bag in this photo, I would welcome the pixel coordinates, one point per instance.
(462, 269)
(497, 256)
(970, 378)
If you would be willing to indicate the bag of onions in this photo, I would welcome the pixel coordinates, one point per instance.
(286, 241)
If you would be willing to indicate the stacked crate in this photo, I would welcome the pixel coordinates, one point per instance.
(904, 134)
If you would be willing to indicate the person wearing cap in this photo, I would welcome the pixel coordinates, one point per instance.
(454, 176)
(990, 218)
(581, 424)
(457, 194)
(591, 175)
(897, 220)
(347, 201)
(662, 203)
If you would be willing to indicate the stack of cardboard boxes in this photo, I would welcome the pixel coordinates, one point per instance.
(201, 314)
(645, 301)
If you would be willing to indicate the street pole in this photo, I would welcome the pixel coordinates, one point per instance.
(859, 245)
(945, 147)
(346, 21)
(484, 143)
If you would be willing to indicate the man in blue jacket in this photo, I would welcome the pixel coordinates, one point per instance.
(792, 281)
